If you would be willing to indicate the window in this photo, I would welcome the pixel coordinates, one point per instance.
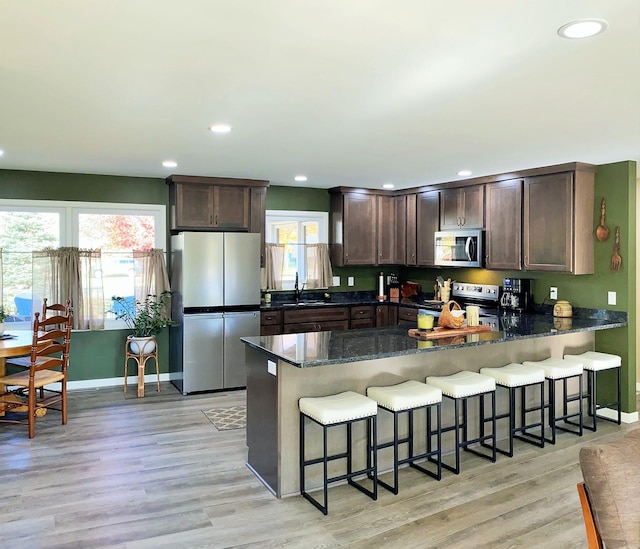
(117, 229)
(294, 229)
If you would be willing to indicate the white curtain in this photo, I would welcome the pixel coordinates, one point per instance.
(317, 264)
(71, 273)
(151, 276)
(1, 277)
(273, 267)
(319, 273)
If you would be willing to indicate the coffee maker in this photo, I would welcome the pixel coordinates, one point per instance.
(515, 295)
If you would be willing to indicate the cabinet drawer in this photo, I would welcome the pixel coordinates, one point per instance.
(269, 318)
(362, 323)
(407, 313)
(316, 314)
(316, 326)
(270, 330)
(362, 311)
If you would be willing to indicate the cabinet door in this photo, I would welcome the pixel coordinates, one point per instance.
(410, 238)
(231, 207)
(548, 223)
(382, 316)
(449, 209)
(504, 225)
(359, 229)
(462, 208)
(194, 206)
(258, 198)
(400, 249)
(427, 210)
(472, 206)
(386, 230)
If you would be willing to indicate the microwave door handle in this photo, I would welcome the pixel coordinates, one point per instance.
(469, 248)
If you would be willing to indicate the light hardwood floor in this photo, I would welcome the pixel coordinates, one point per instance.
(153, 472)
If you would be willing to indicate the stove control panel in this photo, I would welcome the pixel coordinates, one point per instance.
(480, 292)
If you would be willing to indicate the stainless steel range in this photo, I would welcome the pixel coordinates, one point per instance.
(485, 296)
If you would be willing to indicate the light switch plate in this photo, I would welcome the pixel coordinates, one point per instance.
(611, 298)
(336, 281)
(350, 281)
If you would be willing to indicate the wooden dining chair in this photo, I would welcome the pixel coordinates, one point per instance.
(594, 541)
(57, 309)
(48, 364)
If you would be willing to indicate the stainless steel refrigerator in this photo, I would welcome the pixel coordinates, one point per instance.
(215, 280)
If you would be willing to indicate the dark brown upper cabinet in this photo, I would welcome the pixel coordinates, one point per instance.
(352, 228)
(217, 204)
(462, 207)
(558, 221)
(503, 242)
(428, 220)
(363, 227)
(410, 229)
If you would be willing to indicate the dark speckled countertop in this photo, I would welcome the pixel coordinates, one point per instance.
(324, 348)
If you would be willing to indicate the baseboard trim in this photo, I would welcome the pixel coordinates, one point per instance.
(610, 413)
(113, 382)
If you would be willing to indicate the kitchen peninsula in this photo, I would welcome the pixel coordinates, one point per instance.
(283, 368)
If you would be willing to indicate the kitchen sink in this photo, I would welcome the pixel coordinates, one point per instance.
(313, 303)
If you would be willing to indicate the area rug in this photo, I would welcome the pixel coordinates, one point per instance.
(225, 419)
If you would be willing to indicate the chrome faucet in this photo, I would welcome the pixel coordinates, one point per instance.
(297, 291)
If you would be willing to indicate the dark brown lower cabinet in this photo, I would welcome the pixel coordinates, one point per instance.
(316, 319)
(362, 316)
(270, 323)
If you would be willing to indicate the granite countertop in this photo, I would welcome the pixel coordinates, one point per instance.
(324, 348)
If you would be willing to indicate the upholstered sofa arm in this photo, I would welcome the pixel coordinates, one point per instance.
(611, 474)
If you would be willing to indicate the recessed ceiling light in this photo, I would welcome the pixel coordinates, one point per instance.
(465, 172)
(170, 164)
(220, 128)
(585, 28)
(388, 186)
(300, 177)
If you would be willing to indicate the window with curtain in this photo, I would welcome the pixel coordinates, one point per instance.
(106, 238)
(296, 243)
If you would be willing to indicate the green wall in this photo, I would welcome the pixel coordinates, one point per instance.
(297, 198)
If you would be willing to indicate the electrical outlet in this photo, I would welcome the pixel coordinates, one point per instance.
(350, 281)
(611, 298)
(336, 281)
(553, 292)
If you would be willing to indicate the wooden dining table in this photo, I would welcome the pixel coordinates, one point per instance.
(20, 345)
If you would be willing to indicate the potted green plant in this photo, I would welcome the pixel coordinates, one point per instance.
(145, 319)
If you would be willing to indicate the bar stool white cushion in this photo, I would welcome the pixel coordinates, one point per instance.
(463, 384)
(592, 360)
(515, 375)
(345, 406)
(406, 395)
(557, 368)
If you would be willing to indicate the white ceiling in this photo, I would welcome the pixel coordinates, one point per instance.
(348, 92)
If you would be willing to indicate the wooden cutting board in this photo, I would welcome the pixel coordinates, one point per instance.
(448, 332)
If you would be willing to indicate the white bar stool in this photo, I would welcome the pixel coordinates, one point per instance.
(460, 387)
(556, 369)
(330, 411)
(406, 398)
(513, 377)
(594, 362)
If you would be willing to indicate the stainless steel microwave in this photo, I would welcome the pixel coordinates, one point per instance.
(461, 248)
